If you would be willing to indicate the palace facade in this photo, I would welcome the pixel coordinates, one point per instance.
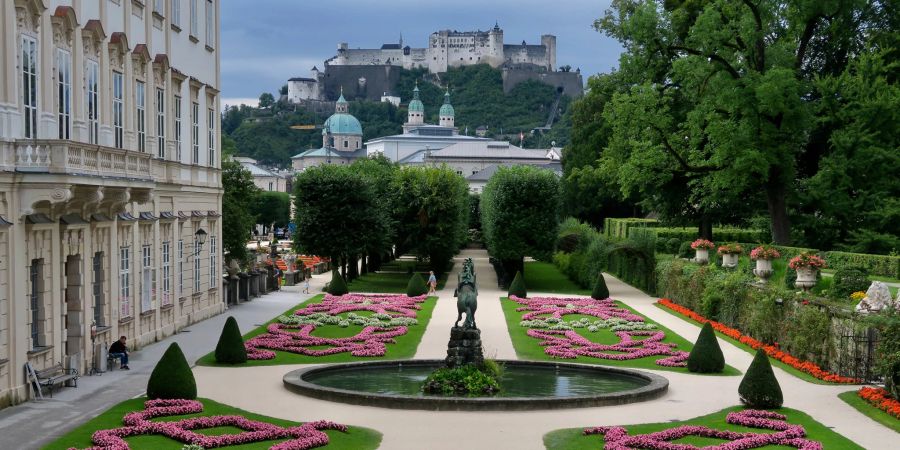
(110, 185)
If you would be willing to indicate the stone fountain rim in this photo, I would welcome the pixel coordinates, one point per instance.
(294, 381)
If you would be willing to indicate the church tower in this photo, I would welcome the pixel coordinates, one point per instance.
(446, 113)
(416, 115)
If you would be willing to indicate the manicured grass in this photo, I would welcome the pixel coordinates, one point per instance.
(528, 347)
(404, 348)
(797, 373)
(388, 282)
(355, 438)
(851, 398)
(546, 277)
(573, 439)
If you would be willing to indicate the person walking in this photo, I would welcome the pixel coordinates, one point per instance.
(432, 282)
(119, 350)
(306, 285)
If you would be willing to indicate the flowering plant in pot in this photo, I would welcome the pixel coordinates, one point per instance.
(763, 255)
(807, 266)
(730, 254)
(702, 247)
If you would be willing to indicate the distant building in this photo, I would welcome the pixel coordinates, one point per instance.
(265, 179)
(478, 180)
(392, 99)
(341, 141)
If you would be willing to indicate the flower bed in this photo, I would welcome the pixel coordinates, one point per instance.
(880, 399)
(560, 342)
(772, 350)
(306, 436)
(392, 316)
(786, 434)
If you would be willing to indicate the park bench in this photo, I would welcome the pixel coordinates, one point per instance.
(53, 375)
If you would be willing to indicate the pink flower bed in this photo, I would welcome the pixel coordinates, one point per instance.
(306, 436)
(617, 438)
(368, 342)
(569, 344)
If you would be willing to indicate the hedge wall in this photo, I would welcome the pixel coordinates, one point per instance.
(617, 228)
(883, 265)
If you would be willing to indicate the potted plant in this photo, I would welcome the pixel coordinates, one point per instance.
(807, 266)
(763, 255)
(730, 254)
(702, 247)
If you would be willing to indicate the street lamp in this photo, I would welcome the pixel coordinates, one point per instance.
(200, 238)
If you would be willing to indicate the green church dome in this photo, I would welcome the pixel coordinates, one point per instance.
(446, 108)
(416, 105)
(343, 123)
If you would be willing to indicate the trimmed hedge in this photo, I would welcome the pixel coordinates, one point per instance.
(617, 228)
(337, 285)
(416, 286)
(883, 265)
(230, 349)
(517, 287)
(760, 388)
(600, 292)
(849, 280)
(172, 377)
(706, 356)
(668, 239)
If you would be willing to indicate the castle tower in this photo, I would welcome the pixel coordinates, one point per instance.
(416, 114)
(549, 43)
(495, 57)
(446, 113)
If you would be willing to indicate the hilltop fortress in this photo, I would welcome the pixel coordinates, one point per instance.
(373, 74)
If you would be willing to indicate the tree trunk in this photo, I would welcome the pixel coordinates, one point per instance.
(354, 268)
(705, 228)
(776, 197)
(365, 265)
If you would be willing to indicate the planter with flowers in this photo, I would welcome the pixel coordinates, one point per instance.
(730, 254)
(807, 266)
(763, 255)
(702, 247)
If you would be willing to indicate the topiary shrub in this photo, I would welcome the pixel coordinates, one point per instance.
(517, 287)
(230, 349)
(337, 286)
(600, 292)
(416, 286)
(849, 280)
(706, 356)
(760, 388)
(685, 250)
(172, 377)
(673, 245)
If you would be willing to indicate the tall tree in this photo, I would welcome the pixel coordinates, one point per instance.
(272, 208)
(266, 100)
(239, 195)
(379, 172)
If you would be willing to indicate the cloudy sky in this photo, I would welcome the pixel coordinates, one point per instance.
(265, 42)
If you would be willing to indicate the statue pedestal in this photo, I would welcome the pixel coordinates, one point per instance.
(464, 347)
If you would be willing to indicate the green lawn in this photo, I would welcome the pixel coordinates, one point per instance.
(355, 438)
(388, 282)
(528, 347)
(546, 277)
(404, 348)
(852, 399)
(797, 373)
(573, 439)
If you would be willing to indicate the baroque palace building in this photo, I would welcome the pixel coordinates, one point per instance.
(110, 185)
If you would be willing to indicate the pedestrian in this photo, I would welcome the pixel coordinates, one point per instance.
(432, 282)
(119, 351)
(306, 285)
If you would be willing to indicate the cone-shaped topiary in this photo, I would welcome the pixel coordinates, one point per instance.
(230, 349)
(517, 287)
(706, 356)
(337, 286)
(759, 388)
(416, 286)
(600, 292)
(172, 377)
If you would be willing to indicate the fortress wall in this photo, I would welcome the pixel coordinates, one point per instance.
(378, 80)
(571, 82)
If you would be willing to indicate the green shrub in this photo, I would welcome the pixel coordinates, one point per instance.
(706, 356)
(416, 286)
(469, 380)
(672, 245)
(600, 292)
(806, 333)
(172, 377)
(766, 316)
(685, 250)
(882, 265)
(617, 228)
(337, 285)
(760, 388)
(849, 280)
(517, 287)
(230, 349)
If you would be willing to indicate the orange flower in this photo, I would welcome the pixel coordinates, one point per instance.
(880, 399)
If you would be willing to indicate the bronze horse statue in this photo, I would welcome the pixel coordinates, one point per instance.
(467, 295)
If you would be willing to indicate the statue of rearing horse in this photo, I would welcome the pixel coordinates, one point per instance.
(467, 295)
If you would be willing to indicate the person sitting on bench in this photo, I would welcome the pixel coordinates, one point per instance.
(120, 351)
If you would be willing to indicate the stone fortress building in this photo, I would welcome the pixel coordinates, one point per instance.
(110, 184)
(374, 73)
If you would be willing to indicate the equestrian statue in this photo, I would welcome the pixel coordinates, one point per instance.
(467, 295)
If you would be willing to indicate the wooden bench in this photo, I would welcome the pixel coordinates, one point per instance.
(54, 375)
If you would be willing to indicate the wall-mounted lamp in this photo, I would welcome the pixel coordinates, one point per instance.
(200, 238)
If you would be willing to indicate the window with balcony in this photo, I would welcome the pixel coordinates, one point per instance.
(64, 93)
(140, 98)
(29, 85)
(125, 282)
(92, 101)
(161, 123)
(177, 128)
(118, 109)
(195, 132)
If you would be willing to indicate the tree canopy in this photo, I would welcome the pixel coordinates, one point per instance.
(237, 219)
(272, 208)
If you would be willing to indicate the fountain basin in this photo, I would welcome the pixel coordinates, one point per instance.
(526, 385)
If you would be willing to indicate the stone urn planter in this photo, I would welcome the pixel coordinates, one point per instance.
(763, 269)
(730, 260)
(702, 255)
(806, 277)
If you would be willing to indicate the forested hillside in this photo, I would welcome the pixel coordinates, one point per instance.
(477, 97)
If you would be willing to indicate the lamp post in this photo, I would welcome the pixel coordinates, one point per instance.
(200, 238)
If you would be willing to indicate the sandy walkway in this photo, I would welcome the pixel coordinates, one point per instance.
(261, 390)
